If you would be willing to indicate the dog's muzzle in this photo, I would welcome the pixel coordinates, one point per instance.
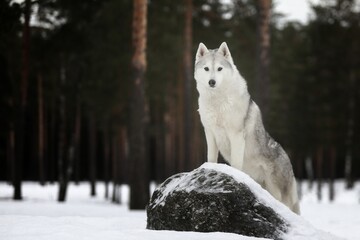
(212, 83)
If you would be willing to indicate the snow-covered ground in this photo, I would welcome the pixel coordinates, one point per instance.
(39, 216)
(340, 217)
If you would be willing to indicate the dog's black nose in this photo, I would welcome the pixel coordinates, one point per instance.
(212, 83)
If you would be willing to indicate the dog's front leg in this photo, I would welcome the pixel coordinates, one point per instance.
(237, 142)
(212, 149)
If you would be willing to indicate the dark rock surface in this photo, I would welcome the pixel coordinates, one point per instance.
(207, 200)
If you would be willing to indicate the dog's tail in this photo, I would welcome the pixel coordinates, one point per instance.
(295, 207)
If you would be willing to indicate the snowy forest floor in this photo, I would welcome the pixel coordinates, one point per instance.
(40, 216)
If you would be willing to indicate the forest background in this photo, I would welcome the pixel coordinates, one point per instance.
(69, 107)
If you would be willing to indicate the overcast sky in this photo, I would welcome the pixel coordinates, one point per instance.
(294, 9)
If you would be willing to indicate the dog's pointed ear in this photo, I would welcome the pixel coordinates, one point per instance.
(202, 50)
(224, 51)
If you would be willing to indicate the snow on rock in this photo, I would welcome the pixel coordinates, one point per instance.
(219, 198)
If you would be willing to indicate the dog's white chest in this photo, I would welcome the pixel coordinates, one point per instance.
(224, 118)
(225, 113)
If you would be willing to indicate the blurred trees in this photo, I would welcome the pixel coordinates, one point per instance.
(318, 89)
(75, 125)
(138, 119)
(21, 102)
(263, 8)
(334, 36)
(188, 85)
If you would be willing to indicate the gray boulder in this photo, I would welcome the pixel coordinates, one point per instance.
(219, 198)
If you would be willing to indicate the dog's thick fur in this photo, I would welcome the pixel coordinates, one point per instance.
(233, 126)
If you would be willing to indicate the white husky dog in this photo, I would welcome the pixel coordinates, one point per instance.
(233, 126)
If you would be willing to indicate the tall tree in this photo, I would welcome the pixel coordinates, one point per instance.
(21, 109)
(41, 129)
(9, 24)
(61, 156)
(139, 182)
(188, 86)
(263, 55)
(92, 153)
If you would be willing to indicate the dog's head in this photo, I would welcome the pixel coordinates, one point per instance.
(213, 67)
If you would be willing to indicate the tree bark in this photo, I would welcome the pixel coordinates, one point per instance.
(170, 134)
(107, 148)
(52, 140)
(115, 170)
(62, 138)
(188, 86)
(159, 144)
(66, 162)
(309, 170)
(332, 159)
(263, 56)
(179, 157)
(139, 179)
(21, 109)
(319, 162)
(41, 130)
(92, 153)
(77, 137)
(350, 131)
(11, 147)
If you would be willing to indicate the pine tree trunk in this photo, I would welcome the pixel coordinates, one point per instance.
(76, 160)
(188, 86)
(332, 166)
(52, 141)
(139, 178)
(319, 163)
(62, 139)
(263, 57)
(21, 109)
(159, 144)
(92, 153)
(180, 128)
(19, 152)
(350, 131)
(170, 134)
(309, 171)
(73, 147)
(41, 130)
(115, 168)
(11, 150)
(106, 140)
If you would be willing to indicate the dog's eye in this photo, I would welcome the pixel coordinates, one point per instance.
(206, 68)
(219, 69)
